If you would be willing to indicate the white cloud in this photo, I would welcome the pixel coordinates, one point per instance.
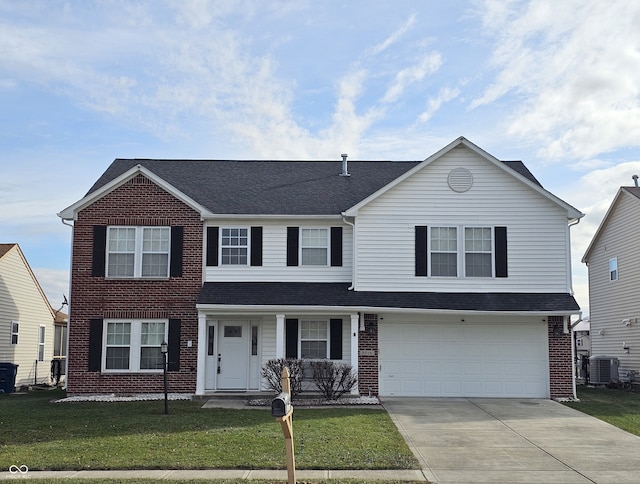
(445, 95)
(415, 73)
(573, 67)
(55, 284)
(395, 36)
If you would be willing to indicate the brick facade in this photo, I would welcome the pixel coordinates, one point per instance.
(560, 364)
(368, 362)
(138, 202)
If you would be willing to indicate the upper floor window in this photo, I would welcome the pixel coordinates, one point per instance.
(138, 251)
(234, 245)
(314, 247)
(15, 326)
(134, 345)
(478, 245)
(613, 269)
(444, 251)
(41, 342)
(466, 251)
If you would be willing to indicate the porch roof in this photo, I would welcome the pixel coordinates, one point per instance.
(337, 295)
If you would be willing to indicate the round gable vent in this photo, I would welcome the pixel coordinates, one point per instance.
(460, 180)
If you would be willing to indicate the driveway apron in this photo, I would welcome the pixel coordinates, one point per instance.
(483, 440)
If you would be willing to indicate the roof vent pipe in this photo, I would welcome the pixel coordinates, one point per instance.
(635, 179)
(345, 171)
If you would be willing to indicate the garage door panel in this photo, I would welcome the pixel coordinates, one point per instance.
(464, 359)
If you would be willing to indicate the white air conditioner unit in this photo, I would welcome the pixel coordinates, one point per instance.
(603, 369)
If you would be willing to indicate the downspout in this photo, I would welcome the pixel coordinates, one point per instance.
(353, 251)
(573, 354)
(571, 223)
(66, 360)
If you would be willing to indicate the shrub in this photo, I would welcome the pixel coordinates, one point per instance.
(272, 373)
(333, 379)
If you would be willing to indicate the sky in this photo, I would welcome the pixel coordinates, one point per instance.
(555, 84)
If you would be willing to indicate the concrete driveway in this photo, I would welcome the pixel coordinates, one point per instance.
(482, 440)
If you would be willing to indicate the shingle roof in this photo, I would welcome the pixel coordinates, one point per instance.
(4, 248)
(274, 187)
(338, 295)
(633, 191)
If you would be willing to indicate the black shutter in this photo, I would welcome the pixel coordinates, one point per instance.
(421, 250)
(95, 344)
(336, 246)
(291, 338)
(256, 246)
(292, 245)
(212, 246)
(335, 339)
(173, 345)
(177, 236)
(500, 235)
(99, 250)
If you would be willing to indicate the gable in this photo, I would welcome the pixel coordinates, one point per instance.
(626, 196)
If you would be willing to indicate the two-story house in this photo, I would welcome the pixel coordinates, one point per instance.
(444, 277)
(614, 283)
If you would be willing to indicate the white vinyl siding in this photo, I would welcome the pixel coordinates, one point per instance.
(613, 302)
(274, 255)
(537, 233)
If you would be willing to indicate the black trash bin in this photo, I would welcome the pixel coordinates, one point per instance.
(8, 373)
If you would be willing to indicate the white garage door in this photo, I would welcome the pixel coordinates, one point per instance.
(464, 359)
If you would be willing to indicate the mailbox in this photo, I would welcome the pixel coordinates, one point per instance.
(281, 405)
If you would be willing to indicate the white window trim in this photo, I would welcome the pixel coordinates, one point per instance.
(42, 340)
(134, 344)
(327, 246)
(138, 252)
(15, 333)
(461, 251)
(614, 260)
(221, 246)
(300, 339)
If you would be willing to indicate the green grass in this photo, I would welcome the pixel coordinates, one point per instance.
(137, 435)
(617, 407)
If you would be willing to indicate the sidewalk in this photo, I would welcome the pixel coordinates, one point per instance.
(270, 475)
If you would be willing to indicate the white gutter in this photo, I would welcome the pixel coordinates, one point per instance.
(573, 356)
(571, 223)
(353, 251)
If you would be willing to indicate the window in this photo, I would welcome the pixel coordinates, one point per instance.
(235, 246)
(314, 247)
(478, 252)
(138, 251)
(444, 251)
(613, 269)
(314, 337)
(134, 345)
(14, 332)
(60, 340)
(41, 340)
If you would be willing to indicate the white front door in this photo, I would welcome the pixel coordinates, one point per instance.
(233, 355)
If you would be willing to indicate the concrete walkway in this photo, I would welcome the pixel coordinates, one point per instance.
(479, 440)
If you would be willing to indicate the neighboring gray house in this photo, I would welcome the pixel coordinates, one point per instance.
(26, 319)
(614, 282)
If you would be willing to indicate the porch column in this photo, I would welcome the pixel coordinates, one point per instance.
(202, 353)
(355, 326)
(279, 336)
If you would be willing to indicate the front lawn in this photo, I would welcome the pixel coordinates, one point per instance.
(617, 407)
(137, 435)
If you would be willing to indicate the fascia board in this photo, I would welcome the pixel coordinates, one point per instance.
(603, 224)
(70, 212)
(572, 212)
(227, 309)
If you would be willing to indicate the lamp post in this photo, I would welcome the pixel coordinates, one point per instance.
(164, 348)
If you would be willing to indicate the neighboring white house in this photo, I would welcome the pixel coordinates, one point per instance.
(26, 319)
(614, 282)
